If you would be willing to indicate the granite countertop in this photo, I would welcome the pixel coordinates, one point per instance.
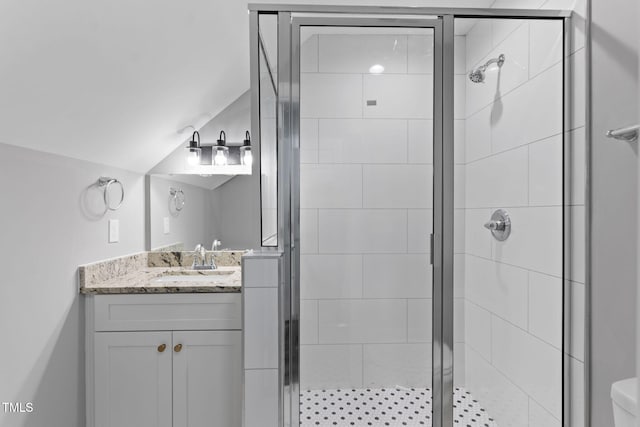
(143, 274)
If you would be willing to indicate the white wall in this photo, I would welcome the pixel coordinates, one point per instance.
(614, 193)
(366, 209)
(186, 227)
(51, 223)
(513, 155)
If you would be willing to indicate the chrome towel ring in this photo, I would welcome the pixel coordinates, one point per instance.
(105, 183)
(177, 197)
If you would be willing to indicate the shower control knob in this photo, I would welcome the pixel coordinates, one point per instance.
(495, 225)
(500, 225)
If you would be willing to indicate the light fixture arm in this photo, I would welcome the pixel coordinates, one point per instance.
(222, 140)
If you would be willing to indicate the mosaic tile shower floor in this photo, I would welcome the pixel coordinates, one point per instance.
(385, 407)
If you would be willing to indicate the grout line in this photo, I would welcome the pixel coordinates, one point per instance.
(497, 153)
(515, 266)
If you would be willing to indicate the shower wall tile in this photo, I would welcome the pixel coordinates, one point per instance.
(545, 308)
(498, 288)
(407, 96)
(478, 329)
(308, 231)
(397, 186)
(420, 59)
(459, 316)
(515, 70)
(309, 55)
(478, 131)
(406, 364)
(477, 238)
(330, 276)
(330, 186)
(330, 95)
(308, 322)
(363, 141)
(539, 417)
(459, 93)
(546, 45)
(352, 53)
(498, 181)
(331, 366)
(579, 8)
(459, 275)
(506, 402)
(536, 243)
(542, 118)
(460, 52)
(420, 141)
(397, 276)
(308, 141)
(362, 321)
(545, 172)
(459, 186)
(458, 231)
(533, 365)
(420, 226)
(578, 95)
(479, 42)
(420, 313)
(459, 132)
(362, 231)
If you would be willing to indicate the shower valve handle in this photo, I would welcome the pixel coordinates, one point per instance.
(495, 225)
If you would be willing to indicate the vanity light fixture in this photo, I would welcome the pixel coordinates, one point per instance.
(246, 157)
(195, 151)
(222, 151)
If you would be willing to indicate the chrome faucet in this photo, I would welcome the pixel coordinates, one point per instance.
(216, 244)
(200, 259)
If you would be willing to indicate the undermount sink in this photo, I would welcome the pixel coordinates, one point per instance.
(192, 276)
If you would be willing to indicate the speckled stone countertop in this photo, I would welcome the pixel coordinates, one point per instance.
(146, 273)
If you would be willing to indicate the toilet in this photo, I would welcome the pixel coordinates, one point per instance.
(623, 396)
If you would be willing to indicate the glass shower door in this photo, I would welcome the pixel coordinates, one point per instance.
(367, 125)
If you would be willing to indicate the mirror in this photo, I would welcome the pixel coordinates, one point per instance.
(184, 210)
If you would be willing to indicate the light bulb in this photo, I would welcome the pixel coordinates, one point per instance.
(376, 69)
(221, 158)
(193, 158)
(247, 157)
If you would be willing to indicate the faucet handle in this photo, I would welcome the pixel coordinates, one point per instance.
(216, 244)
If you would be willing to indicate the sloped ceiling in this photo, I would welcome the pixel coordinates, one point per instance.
(112, 81)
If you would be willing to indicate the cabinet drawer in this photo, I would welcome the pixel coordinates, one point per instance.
(167, 312)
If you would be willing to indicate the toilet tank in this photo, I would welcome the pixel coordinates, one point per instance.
(624, 397)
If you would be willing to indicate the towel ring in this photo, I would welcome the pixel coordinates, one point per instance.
(106, 182)
(177, 196)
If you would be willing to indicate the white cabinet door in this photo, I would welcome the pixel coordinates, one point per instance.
(207, 379)
(133, 379)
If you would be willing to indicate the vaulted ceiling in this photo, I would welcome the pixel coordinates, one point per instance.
(110, 81)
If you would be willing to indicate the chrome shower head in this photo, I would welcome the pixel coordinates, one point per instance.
(477, 75)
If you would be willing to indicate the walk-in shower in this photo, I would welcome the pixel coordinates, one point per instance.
(423, 217)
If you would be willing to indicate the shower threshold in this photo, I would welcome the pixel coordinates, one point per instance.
(396, 406)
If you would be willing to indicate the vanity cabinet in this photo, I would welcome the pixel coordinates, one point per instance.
(146, 369)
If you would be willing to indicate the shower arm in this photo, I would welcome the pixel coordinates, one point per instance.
(499, 60)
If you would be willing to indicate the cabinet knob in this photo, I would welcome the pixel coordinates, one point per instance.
(162, 347)
(177, 348)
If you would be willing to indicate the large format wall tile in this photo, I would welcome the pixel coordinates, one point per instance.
(330, 95)
(363, 321)
(363, 141)
(499, 288)
(330, 366)
(533, 365)
(407, 96)
(420, 320)
(308, 322)
(330, 276)
(545, 172)
(535, 242)
(545, 308)
(420, 60)
(407, 365)
(420, 226)
(397, 186)
(498, 181)
(546, 45)
(353, 53)
(330, 186)
(362, 230)
(420, 138)
(397, 276)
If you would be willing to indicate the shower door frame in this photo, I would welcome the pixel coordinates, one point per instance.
(441, 20)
